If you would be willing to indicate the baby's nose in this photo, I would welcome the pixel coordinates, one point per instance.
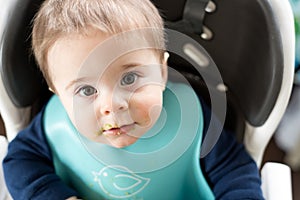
(113, 104)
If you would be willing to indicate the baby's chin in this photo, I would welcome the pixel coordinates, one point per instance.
(122, 141)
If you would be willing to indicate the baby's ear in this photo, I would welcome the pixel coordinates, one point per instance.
(165, 67)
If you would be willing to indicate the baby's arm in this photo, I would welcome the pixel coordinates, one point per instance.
(72, 198)
(28, 167)
(230, 171)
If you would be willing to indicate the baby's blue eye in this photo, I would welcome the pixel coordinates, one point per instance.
(87, 91)
(129, 79)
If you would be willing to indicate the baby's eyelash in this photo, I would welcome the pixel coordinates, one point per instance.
(136, 73)
(86, 91)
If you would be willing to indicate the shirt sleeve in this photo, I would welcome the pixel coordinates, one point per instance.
(28, 167)
(229, 169)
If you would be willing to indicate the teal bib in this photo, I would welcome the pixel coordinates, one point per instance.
(162, 165)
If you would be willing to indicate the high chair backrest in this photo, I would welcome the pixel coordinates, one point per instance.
(251, 42)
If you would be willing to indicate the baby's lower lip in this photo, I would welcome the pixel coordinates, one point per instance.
(119, 131)
(113, 131)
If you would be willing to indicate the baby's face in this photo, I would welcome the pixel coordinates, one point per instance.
(109, 99)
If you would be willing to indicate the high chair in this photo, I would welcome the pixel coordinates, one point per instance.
(251, 43)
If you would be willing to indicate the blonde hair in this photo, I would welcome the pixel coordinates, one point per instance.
(58, 18)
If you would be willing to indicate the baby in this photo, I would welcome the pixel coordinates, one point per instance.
(106, 61)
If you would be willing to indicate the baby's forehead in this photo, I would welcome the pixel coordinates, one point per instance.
(98, 63)
(119, 43)
(116, 46)
(97, 49)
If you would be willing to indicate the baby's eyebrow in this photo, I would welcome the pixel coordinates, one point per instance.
(131, 65)
(83, 79)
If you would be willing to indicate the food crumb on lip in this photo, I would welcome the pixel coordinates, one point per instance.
(108, 127)
(114, 129)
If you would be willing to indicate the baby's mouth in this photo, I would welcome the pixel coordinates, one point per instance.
(115, 130)
(109, 127)
(106, 127)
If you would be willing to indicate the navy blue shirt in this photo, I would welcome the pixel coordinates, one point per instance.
(30, 174)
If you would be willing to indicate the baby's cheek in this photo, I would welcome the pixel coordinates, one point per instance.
(146, 109)
(85, 122)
